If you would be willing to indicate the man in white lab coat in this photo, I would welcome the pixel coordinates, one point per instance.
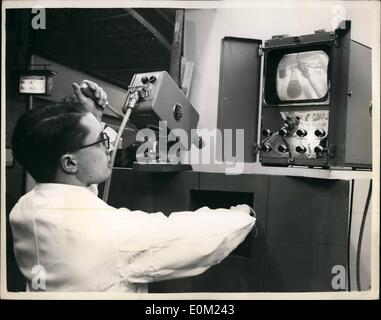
(67, 239)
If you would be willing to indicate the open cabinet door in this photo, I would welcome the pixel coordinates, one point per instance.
(238, 102)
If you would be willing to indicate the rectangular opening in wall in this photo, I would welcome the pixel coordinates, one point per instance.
(224, 199)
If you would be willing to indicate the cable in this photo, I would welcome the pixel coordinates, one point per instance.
(349, 234)
(358, 280)
(129, 105)
(114, 111)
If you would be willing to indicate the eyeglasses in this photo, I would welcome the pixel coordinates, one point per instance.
(105, 140)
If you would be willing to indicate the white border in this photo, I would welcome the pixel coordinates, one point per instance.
(373, 294)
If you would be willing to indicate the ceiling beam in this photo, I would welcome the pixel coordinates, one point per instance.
(165, 16)
(135, 70)
(69, 33)
(71, 16)
(105, 18)
(106, 78)
(146, 24)
(177, 47)
(115, 35)
(127, 63)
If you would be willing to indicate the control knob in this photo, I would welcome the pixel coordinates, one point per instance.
(266, 148)
(301, 149)
(282, 148)
(301, 133)
(320, 133)
(283, 132)
(320, 149)
(266, 132)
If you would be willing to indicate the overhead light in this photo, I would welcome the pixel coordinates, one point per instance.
(36, 82)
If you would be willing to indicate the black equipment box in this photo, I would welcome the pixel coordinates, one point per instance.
(315, 93)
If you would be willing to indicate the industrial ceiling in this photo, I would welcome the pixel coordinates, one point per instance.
(110, 44)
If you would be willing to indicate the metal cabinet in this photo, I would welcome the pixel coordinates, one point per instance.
(301, 229)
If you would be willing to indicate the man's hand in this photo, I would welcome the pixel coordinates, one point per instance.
(238, 208)
(243, 208)
(95, 107)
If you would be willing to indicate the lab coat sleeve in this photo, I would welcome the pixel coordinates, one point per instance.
(153, 247)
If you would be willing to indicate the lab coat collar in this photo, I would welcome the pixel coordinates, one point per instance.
(59, 186)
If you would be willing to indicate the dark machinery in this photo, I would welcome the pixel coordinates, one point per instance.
(317, 101)
(163, 109)
(164, 119)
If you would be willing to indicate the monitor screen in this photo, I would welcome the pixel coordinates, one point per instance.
(302, 76)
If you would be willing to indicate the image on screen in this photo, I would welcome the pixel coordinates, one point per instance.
(302, 76)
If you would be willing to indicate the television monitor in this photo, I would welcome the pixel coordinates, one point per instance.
(317, 100)
(302, 76)
(297, 76)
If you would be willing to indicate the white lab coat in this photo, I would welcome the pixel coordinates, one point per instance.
(83, 244)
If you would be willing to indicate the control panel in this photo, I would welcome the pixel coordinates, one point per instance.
(302, 135)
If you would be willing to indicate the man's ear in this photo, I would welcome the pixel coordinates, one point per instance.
(68, 163)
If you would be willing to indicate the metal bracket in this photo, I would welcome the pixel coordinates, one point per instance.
(342, 29)
(255, 149)
(331, 151)
(260, 50)
(279, 36)
(337, 41)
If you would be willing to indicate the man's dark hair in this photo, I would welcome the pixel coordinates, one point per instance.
(42, 135)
